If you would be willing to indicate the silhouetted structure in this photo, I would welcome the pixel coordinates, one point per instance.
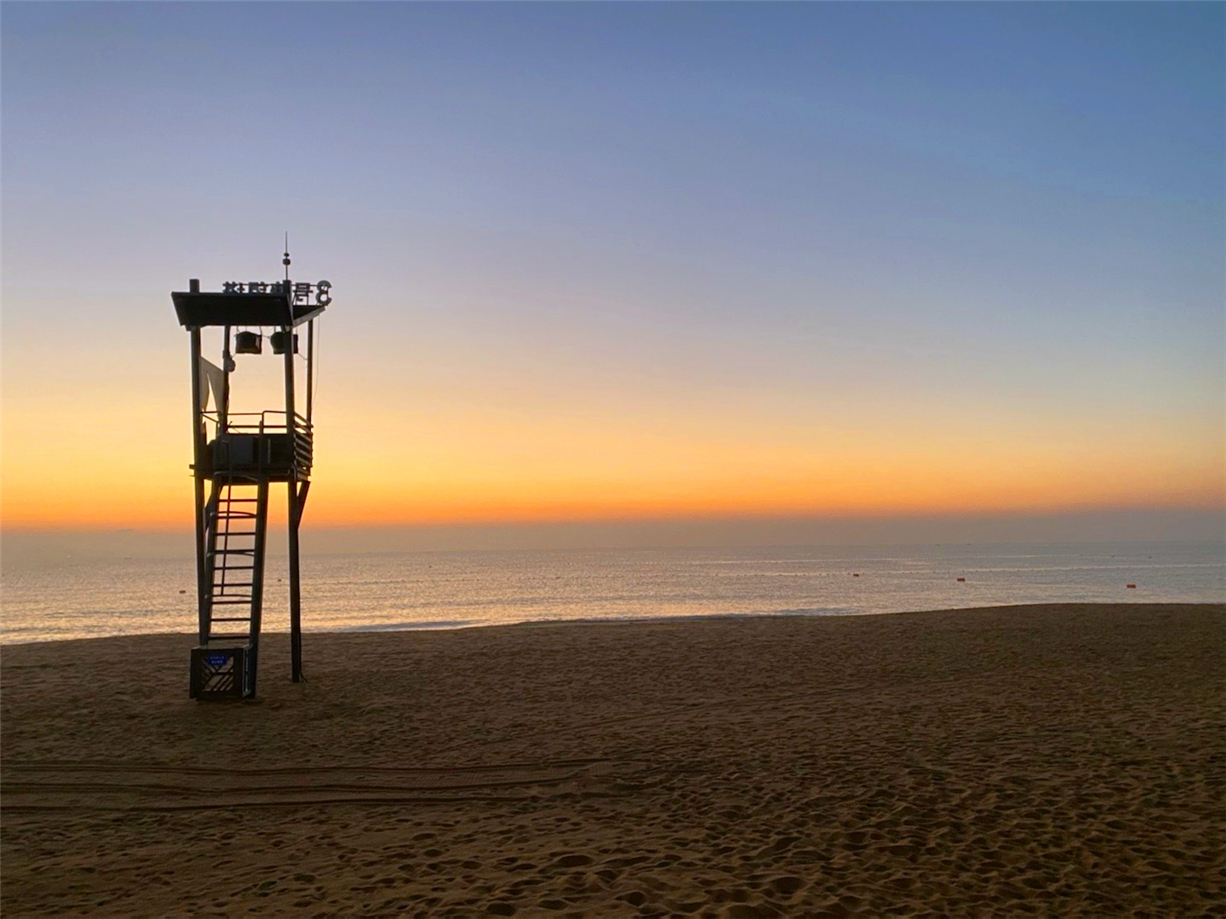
(236, 458)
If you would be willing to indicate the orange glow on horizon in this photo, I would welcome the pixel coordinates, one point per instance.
(512, 459)
(841, 490)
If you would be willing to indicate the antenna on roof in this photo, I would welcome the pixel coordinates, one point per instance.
(285, 261)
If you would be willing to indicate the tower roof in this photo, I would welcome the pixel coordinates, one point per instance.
(260, 309)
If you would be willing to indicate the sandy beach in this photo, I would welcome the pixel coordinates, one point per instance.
(1049, 760)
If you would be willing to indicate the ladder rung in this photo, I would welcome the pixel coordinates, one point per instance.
(229, 533)
(231, 602)
(232, 552)
(242, 636)
(231, 619)
(233, 584)
(235, 568)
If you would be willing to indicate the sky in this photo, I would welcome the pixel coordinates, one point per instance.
(616, 263)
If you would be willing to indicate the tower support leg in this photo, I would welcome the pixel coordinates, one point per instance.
(295, 592)
(198, 447)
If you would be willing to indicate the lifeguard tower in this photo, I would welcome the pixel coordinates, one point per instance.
(236, 458)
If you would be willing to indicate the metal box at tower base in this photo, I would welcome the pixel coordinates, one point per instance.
(220, 673)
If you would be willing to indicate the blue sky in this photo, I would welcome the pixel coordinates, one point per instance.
(800, 222)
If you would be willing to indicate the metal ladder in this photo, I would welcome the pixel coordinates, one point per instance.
(237, 521)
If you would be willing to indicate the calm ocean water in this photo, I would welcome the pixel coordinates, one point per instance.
(66, 599)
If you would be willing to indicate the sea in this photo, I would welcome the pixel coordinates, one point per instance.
(68, 598)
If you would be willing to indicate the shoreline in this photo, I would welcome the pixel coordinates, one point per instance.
(1058, 759)
(429, 627)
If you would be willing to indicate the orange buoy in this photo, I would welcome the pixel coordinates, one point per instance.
(1132, 586)
(855, 575)
(961, 579)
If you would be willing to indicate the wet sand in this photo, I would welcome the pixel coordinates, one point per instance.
(1050, 760)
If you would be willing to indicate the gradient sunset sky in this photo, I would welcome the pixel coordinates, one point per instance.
(629, 261)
